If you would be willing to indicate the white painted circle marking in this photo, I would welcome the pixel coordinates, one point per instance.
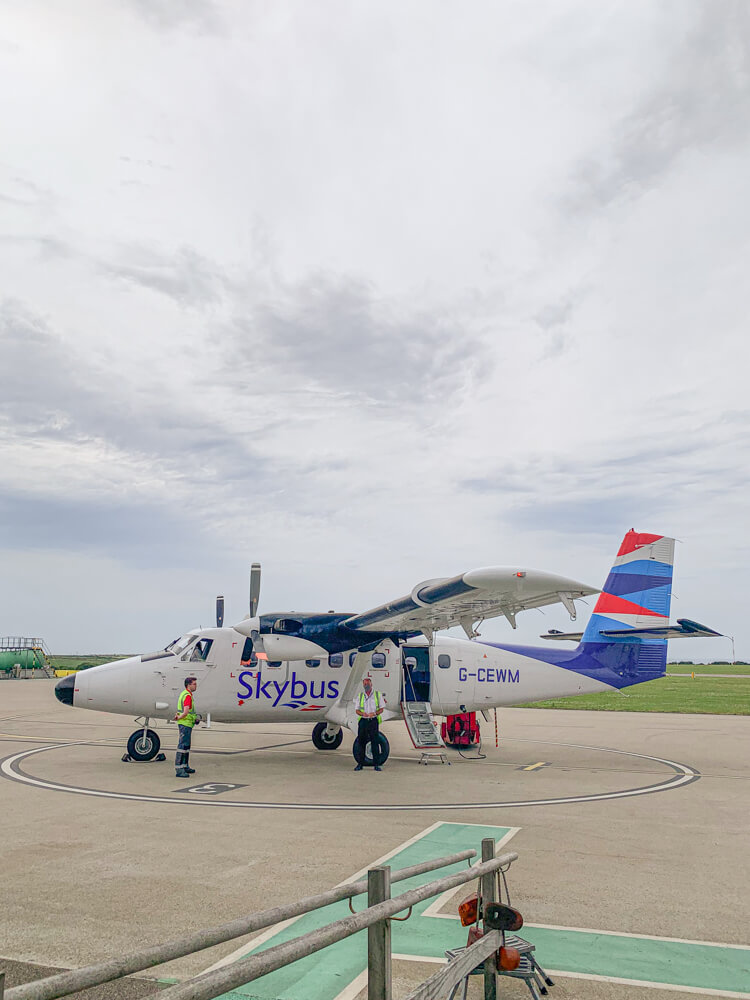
(10, 768)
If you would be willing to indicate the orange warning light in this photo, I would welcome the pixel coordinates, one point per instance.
(509, 958)
(468, 910)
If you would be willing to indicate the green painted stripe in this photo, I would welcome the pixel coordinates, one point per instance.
(678, 963)
(324, 975)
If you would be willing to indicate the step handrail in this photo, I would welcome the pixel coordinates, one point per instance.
(213, 984)
(64, 983)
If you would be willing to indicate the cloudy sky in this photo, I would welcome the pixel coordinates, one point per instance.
(372, 293)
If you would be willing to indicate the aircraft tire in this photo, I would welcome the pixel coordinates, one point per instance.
(323, 742)
(385, 750)
(142, 747)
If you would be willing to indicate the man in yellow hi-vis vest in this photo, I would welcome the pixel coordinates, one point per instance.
(186, 718)
(369, 706)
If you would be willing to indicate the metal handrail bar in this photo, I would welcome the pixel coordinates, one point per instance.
(19, 642)
(64, 983)
(246, 970)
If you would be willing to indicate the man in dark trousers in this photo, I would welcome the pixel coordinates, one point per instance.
(186, 718)
(369, 705)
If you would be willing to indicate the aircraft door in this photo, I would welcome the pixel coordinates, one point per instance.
(416, 673)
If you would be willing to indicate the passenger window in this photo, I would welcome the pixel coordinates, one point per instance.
(336, 660)
(444, 661)
(312, 663)
(352, 658)
(275, 663)
(378, 660)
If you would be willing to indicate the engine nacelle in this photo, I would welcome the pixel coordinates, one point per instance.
(278, 646)
(291, 647)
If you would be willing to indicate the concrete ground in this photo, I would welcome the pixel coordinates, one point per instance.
(86, 876)
(17, 973)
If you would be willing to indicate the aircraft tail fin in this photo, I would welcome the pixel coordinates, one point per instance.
(636, 595)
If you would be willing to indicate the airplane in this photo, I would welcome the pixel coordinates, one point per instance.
(286, 666)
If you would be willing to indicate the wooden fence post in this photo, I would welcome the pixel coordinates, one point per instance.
(379, 937)
(489, 895)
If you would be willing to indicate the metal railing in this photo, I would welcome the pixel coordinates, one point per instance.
(20, 642)
(376, 918)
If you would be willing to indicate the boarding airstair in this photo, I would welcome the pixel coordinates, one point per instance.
(421, 725)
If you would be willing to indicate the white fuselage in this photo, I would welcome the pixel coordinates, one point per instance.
(463, 675)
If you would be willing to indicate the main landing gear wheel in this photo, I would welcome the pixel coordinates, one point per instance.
(385, 749)
(323, 740)
(143, 745)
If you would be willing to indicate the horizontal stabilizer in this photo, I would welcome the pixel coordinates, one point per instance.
(684, 629)
(556, 634)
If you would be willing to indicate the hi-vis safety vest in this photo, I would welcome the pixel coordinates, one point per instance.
(189, 719)
(362, 697)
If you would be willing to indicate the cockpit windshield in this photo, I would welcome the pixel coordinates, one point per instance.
(178, 646)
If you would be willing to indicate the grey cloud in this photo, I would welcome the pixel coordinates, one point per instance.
(556, 318)
(15, 200)
(25, 193)
(341, 338)
(222, 479)
(741, 417)
(703, 100)
(555, 314)
(31, 355)
(48, 247)
(605, 515)
(147, 535)
(599, 494)
(186, 277)
(57, 394)
(202, 16)
(494, 485)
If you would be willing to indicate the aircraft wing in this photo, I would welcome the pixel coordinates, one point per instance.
(462, 600)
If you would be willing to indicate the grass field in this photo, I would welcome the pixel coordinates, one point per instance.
(81, 661)
(708, 668)
(704, 695)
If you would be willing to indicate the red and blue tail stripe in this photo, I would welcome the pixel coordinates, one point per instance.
(638, 590)
(636, 594)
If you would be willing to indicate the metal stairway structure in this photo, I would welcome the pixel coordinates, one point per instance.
(421, 725)
(31, 652)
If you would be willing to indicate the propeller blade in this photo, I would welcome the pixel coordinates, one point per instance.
(254, 588)
(258, 648)
(219, 611)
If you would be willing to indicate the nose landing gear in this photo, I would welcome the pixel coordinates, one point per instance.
(143, 745)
